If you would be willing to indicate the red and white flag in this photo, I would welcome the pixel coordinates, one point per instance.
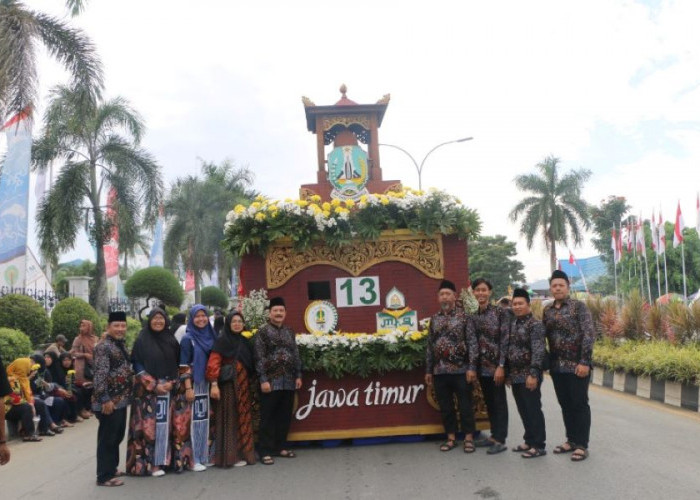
(661, 234)
(654, 233)
(630, 236)
(614, 245)
(678, 228)
(571, 258)
(641, 243)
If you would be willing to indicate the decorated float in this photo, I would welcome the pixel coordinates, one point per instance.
(358, 260)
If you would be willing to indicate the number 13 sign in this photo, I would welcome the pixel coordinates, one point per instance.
(357, 292)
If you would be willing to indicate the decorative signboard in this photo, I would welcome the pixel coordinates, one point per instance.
(396, 314)
(321, 317)
(393, 404)
(357, 292)
(348, 172)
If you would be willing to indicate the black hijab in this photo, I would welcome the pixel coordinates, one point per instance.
(58, 375)
(179, 319)
(234, 345)
(158, 352)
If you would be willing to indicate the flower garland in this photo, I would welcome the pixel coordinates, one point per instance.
(257, 226)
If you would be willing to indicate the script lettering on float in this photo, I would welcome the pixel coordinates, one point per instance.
(373, 395)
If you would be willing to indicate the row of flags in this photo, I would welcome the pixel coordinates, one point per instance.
(630, 236)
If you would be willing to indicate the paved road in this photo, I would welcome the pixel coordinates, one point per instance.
(639, 449)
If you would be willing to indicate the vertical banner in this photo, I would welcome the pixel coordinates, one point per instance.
(14, 201)
(111, 249)
(156, 259)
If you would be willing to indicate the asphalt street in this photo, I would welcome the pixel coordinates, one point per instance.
(639, 450)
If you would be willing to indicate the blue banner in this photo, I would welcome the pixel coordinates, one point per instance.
(14, 201)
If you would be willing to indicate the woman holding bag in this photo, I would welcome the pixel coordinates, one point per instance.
(230, 363)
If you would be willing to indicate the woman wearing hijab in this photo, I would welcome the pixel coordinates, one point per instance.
(230, 362)
(50, 406)
(22, 404)
(82, 351)
(191, 432)
(62, 410)
(155, 359)
(54, 364)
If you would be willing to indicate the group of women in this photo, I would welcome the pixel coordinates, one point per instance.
(172, 424)
(50, 391)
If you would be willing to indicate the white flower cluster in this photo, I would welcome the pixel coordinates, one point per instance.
(350, 340)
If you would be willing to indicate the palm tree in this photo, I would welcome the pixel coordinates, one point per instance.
(196, 210)
(554, 207)
(22, 30)
(98, 146)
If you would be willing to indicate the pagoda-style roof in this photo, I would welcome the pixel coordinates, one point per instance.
(345, 112)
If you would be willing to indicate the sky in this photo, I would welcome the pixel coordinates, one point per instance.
(612, 86)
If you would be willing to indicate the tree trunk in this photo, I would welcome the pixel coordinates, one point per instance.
(552, 257)
(101, 304)
(197, 294)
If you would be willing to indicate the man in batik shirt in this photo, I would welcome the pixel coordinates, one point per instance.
(448, 367)
(278, 365)
(570, 336)
(524, 359)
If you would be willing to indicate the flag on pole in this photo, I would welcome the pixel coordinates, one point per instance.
(697, 213)
(620, 248)
(630, 236)
(571, 258)
(654, 233)
(661, 234)
(641, 242)
(678, 228)
(614, 245)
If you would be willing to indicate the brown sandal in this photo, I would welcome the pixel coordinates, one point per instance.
(267, 460)
(562, 448)
(111, 483)
(448, 445)
(469, 446)
(579, 455)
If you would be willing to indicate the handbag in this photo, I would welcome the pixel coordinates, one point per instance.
(227, 373)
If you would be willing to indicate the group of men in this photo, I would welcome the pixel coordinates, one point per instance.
(498, 345)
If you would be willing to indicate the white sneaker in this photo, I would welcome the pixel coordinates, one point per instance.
(199, 467)
(158, 473)
(240, 463)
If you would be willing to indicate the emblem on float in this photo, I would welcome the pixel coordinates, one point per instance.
(348, 172)
(395, 314)
(321, 317)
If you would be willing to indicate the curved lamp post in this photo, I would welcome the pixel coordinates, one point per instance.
(419, 168)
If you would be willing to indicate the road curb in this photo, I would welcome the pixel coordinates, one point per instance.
(666, 391)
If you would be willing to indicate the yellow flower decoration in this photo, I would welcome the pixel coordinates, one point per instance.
(260, 216)
(326, 206)
(302, 203)
(247, 334)
(335, 202)
(239, 209)
(349, 203)
(326, 213)
(315, 198)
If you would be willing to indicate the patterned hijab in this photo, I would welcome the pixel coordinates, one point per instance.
(202, 340)
(20, 369)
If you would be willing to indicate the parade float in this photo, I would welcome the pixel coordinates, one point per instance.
(358, 260)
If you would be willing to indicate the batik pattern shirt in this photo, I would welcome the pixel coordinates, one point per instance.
(277, 359)
(113, 374)
(570, 335)
(490, 327)
(450, 347)
(525, 351)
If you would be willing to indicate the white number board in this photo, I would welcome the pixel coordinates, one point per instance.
(357, 292)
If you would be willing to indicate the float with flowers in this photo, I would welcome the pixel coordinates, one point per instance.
(355, 253)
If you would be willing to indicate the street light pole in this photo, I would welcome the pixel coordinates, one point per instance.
(419, 168)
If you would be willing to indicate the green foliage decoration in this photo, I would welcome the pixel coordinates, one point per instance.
(68, 314)
(213, 296)
(155, 282)
(13, 344)
(26, 315)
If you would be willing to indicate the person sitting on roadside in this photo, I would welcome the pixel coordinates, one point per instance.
(43, 390)
(58, 347)
(54, 366)
(20, 405)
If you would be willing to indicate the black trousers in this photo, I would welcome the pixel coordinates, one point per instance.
(21, 413)
(447, 387)
(275, 418)
(529, 405)
(43, 412)
(572, 394)
(497, 406)
(110, 434)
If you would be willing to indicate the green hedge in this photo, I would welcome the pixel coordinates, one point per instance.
(133, 327)
(68, 313)
(25, 314)
(213, 296)
(657, 359)
(13, 344)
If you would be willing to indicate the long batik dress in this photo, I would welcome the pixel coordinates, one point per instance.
(155, 359)
(233, 428)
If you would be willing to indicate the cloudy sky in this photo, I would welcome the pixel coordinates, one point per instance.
(608, 85)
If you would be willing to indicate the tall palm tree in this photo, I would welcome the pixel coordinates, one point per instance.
(554, 206)
(98, 146)
(196, 211)
(22, 30)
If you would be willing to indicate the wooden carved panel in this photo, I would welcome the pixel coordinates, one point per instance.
(346, 120)
(423, 253)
